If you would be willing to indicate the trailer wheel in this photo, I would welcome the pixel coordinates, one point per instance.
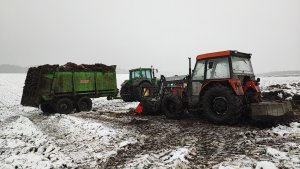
(141, 91)
(125, 93)
(221, 106)
(64, 106)
(109, 97)
(84, 104)
(46, 108)
(172, 107)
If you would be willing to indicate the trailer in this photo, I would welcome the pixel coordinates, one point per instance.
(62, 89)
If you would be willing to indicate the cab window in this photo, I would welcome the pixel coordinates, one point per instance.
(135, 74)
(218, 68)
(148, 74)
(199, 70)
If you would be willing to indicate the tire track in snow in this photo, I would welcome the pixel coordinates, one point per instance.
(88, 142)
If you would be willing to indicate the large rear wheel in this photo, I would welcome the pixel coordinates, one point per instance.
(126, 94)
(172, 107)
(143, 90)
(221, 106)
(64, 106)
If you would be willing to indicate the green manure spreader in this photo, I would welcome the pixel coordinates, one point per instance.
(64, 88)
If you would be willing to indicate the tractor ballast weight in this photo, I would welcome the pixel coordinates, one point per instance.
(222, 86)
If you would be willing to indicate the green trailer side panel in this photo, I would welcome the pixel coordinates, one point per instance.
(63, 82)
(106, 81)
(84, 81)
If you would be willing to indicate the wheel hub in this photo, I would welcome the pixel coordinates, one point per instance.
(63, 106)
(220, 105)
(83, 105)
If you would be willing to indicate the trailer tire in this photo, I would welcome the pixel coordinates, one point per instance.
(172, 107)
(140, 91)
(109, 97)
(47, 108)
(64, 106)
(84, 104)
(221, 106)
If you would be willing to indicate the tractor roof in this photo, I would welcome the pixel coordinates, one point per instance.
(140, 69)
(223, 54)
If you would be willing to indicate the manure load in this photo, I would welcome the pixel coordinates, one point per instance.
(64, 88)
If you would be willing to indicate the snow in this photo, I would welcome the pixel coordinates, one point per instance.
(29, 139)
(170, 158)
(121, 78)
(282, 130)
(290, 84)
(277, 154)
(116, 106)
(265, 165)
(244, 162)
(267, 81)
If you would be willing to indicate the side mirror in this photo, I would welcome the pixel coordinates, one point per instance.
(258, 80)
(210, 65)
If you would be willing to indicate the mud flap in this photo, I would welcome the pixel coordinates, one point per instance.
(270, 111)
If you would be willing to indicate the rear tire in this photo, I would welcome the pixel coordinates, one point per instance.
(172, 107)
(125, 94)
(143, 90)
(64, 106)
(221, 106)
(84, 104)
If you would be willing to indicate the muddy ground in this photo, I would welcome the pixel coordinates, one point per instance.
(111, 136)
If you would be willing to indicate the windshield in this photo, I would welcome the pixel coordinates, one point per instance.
(141, 73)
(241, 65)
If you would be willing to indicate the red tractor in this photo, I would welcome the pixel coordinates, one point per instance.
(222, 86)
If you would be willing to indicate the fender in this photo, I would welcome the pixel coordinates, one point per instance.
(236, 85)
(251, 84)
(125, 81)
(137, 82)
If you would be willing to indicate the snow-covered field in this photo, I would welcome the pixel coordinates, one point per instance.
(288, 86)
(111, 137)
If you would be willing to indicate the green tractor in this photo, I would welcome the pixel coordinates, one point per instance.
(142, 83)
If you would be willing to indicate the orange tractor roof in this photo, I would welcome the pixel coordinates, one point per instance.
(214, 54)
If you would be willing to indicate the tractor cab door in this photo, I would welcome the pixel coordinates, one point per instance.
(197, 81)
(218, 68)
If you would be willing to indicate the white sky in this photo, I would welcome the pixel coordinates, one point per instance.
(163, 33)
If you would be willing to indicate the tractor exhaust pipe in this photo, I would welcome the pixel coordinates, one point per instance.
(190, 69)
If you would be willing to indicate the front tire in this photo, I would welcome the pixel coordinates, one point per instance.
(172, 107)
(221, 106)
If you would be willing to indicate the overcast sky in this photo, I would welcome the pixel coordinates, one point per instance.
(163, 33)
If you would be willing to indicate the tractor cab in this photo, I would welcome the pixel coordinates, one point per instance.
(141, 81)
(229, 68)
(141, 73)
(223, 65)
